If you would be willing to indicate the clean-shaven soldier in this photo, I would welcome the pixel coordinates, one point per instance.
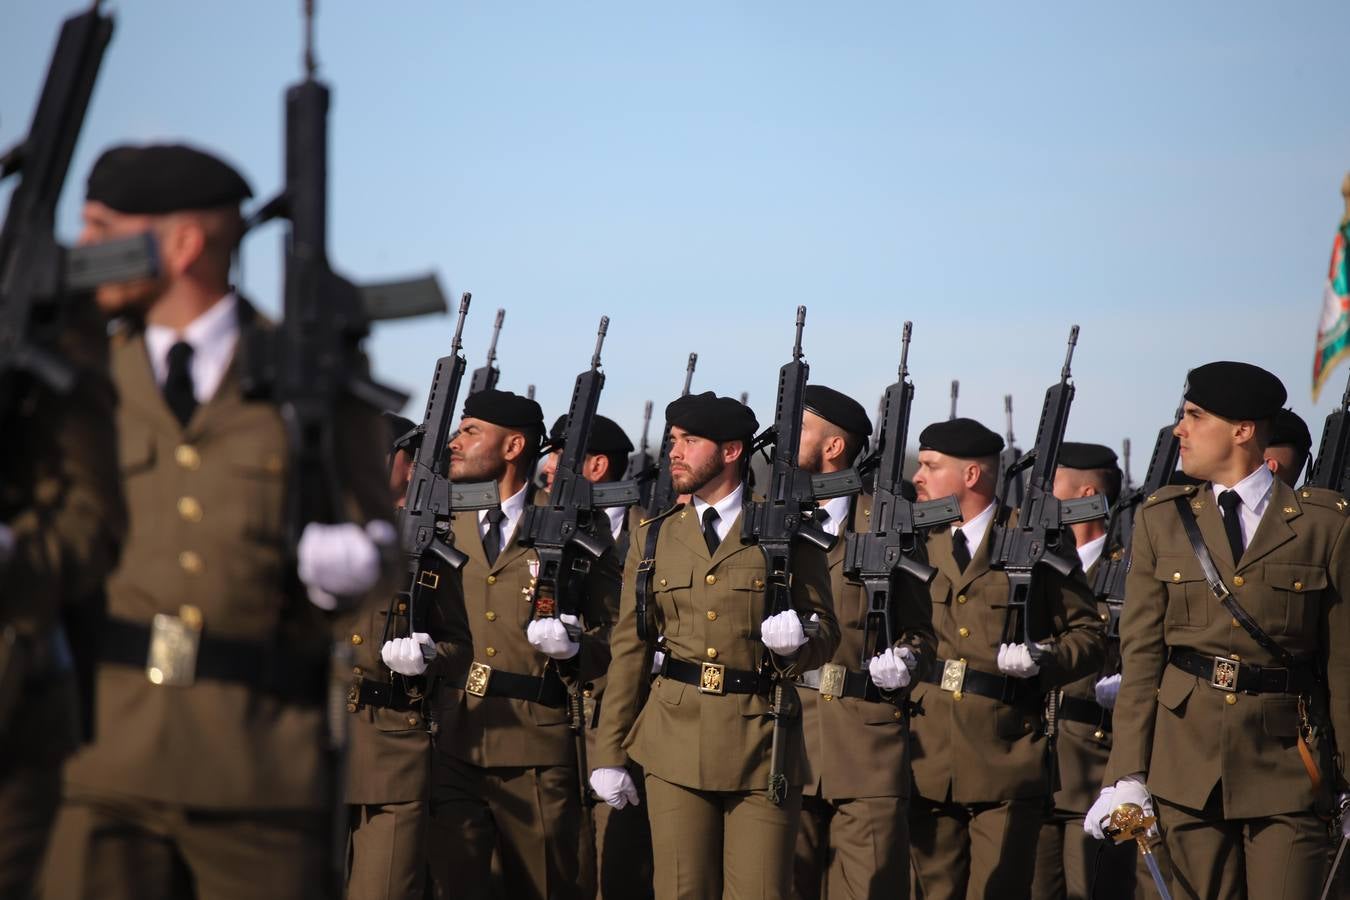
(504, 775)
(623, 838)
(1290, 443)
(703, 736)
(208, 766)
(854, 835)
(977, 747)
(1215, 695)
(1068, 865)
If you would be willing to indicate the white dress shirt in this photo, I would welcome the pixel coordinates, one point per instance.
(728, 509)
(1090, 552)
(514, 508)
(212, 336)
(1254, 491)
(837, 510)
(616, 516)
(974, 529)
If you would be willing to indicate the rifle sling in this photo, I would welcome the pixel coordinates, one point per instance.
(645, 573)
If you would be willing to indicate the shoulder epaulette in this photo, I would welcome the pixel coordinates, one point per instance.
(1169, 492)
(1324, 497)
(661, 515)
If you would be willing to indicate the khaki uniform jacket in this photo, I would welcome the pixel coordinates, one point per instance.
(61, 499)
(708, 609)
(856, 748)
(206, 528)
(499, 731)
(981, 750)
(1292, 580)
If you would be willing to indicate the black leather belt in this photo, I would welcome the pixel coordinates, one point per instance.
(382, 694)
(715, 678)
(1233, 676)
(485, 681)
(252, 664)
(955, 677)
(834, 680)
(1084, 711)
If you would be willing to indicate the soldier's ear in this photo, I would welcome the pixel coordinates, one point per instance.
(181, 242)
(514, 446)
(1244, 432)
(596, 467)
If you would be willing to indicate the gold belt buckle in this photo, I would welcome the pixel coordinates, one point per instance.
(832, 681)
(953, 675)
(712, 679)
(1225, 674)
(477, 682)
(171, 659)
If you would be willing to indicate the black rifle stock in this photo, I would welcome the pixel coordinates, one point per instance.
(881, 556)
(1036, 539)
(1332, 469)
(485, 376)
(661, 488)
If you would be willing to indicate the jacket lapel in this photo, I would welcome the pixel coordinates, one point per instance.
(467, 540)
(1211, 526)
(136, 383)
(686, 530)
(1274, 530)
(979, 561)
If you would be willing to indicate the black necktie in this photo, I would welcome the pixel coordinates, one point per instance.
(178, 393)
(960, 549)
(492, 541)
(710, 537)
(1229, 502)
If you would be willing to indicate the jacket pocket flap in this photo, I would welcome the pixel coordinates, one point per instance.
(672, 581)
(745, 579)
(1175, 688)
(668, 691)
(1178, 569)
(1296, 577)
(135, 449)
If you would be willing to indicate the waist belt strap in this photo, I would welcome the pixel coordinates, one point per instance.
(483, 681)
(1003, 688)
(842, 682)
(1083, 711)
(714, 678)
(382, 694)
(1230, 675)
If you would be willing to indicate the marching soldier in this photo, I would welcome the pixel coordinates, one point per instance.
(623, 837)
(207, 763)
(854, 835)
(703, 738)
(504, 777)
(62, 521)
(1233, 666)
(979, 755)
(1289, 447)
(1068, 866)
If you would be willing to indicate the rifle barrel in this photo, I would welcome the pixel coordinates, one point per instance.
(904, 349)
(1068, 357)
(599, 341)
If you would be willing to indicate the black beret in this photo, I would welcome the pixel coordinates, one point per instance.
(1235, 390)
(1086, 456)
(162, 178)
(713, 417)
(399, 428)
(1288, 429)
(505, 409)
(841, 409)
(963, 438)
(606, 436)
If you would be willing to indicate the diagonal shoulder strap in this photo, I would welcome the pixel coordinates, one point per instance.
(645, 572)
(1220, 590)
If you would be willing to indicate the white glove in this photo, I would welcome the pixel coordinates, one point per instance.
(343, 560)
(6, 544)
(1129, 789)
(406, 656)
(892, 669)
(1106, 691)
(782, 633)
(658, 660)
(549, 636)
(614, 785)
(1015, 660)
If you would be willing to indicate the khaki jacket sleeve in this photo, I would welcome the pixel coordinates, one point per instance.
(1336, 643)
(1079, 644)
(628, 669)
(811, 595)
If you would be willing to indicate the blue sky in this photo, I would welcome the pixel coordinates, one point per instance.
(1165, 175)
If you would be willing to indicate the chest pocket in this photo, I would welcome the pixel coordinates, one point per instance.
(747, 584)
(1295, 591)
(260, 497)
(135, 448)
(1189, 600)
(671, 590)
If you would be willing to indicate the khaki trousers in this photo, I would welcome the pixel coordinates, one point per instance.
(964, 852)
(528, 819)
(1072, 866)
(121, 849)
(711, 845)
(1274, 858)
(850, 849)
(623, 848)
(387, 851)
(29, 796)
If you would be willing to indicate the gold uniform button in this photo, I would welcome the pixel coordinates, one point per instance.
(961, 598)
(351, 707)
(189, 509)
(491, 651)
(896, 714)
(588, 693)
(490, 616)
(662, 582)
(1237, 624)
(1306, 494)
(712, 615)
(357, 640)
(1238, 581)
(712, 653)
(957, 695)
(191, 562)
(403, 608)
(187, 457)
(963, 631)
(1176, 577)
(711, 579)
(1230, 699)
(1105, 617)
(357, 670)
(412, 720)
(1099, 734)
(492, 579)
(757, 584)
(1298, 585)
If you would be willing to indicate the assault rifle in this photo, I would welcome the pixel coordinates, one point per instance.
(1126, 480)
(956, 390)
(656, 481)
(485, 376)
(1017, 485)
(881, 556)
(641, 459)
(1037, 538)
(37, 274)
(1332, 469)
(570, 532)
